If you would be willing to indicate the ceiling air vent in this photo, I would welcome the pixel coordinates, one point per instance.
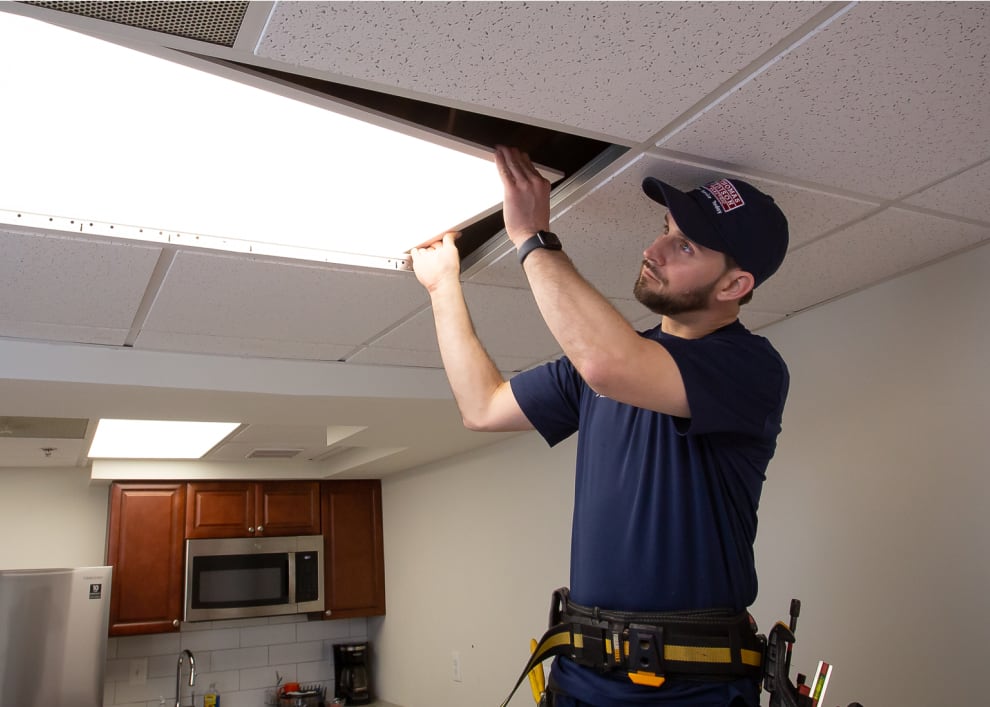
(43, 428)
(273, 453)
(213, 22)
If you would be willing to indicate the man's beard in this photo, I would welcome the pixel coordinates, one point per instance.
(667, 304)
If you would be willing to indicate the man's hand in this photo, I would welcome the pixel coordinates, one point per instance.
(527, 195)
(436, 262)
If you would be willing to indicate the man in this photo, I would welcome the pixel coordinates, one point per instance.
(677, 426)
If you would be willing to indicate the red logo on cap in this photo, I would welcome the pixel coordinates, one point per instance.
(725, 193)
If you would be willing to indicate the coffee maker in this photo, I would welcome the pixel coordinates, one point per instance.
(352, 675)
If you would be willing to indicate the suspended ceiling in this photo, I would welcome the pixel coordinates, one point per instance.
(869, 123)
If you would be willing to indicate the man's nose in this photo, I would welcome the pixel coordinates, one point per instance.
(654, 251)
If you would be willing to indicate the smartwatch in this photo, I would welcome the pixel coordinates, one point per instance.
(540, 239)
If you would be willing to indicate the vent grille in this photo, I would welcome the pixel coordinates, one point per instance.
(43, 427)
(213, 22)
(273, 453)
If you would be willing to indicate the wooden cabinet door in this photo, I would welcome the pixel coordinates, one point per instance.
(220, 509)
(287, 508)
(354, 565)
(241, 509)
(145, 548)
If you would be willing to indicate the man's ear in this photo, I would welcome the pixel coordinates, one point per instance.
(736, 284)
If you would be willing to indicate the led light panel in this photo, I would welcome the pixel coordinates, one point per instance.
(157, 439)
(104, 139)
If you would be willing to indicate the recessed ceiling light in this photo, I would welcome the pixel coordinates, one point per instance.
(157, 439)
(158, 146)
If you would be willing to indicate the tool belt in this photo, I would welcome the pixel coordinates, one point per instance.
(651, 646)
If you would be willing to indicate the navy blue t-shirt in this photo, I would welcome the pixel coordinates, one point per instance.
(665, 507)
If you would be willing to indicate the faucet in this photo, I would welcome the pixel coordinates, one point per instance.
(178, 669)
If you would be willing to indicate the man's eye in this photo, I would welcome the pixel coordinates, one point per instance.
(686, 247)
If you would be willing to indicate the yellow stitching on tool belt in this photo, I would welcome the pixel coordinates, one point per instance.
(697, 654)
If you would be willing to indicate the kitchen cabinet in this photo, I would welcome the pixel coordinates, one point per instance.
(354, 565)
(149, 522)
(236, 509)
(145, 548)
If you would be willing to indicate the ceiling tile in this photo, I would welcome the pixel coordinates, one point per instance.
(64, 332)
(67, 288)
(887, 99)
(893, 241)
(152, 340)
(506, 320)
(964, 195)
(41, 452)
(377, 355)
(572, 64)
(217, 297)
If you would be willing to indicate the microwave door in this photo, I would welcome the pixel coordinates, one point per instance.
(248, 577)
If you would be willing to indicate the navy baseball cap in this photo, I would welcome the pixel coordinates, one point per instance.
(730, 216)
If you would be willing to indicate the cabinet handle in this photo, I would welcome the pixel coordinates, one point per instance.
(250, 528)
(175, 622)
(261, 528)
(328, 612)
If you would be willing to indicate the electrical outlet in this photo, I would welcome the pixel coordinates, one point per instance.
(456, 665)
(137, 673)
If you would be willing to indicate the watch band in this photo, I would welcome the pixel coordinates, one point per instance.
(540, 239)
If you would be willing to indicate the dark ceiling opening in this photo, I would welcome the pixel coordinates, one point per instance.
(561, 151)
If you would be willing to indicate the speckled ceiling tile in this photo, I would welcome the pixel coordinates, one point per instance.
(619, 69)
(887, 99)
(232, 297)
(70, 288)
(966, 195)
(893, 241)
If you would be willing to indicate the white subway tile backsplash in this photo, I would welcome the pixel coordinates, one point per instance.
(260, 678)
(241, 658)
(318, 671)
(218, 639)
(297, 652)
(157, 644)
(117, 670)
(323, 630)
(268, 635)
(152, 689)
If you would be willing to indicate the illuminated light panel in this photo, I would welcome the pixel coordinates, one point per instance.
(111, 141)
(157, 439)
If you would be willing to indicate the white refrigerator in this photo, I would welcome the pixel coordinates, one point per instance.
(53, 636)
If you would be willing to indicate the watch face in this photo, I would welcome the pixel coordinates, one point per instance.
(549, 240)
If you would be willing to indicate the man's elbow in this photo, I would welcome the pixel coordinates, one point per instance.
(599, 373)
(477, 423)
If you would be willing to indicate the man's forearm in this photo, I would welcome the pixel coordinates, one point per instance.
(475, 380)
(591, 332)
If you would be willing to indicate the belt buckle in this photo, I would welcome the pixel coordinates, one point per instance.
(645, 655)
(588, 643)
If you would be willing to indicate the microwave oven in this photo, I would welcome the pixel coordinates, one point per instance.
(229, 578)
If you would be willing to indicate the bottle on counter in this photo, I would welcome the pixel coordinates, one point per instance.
(211, 698)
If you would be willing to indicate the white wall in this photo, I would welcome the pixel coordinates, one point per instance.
(873, 515)
(473, 548)
(52, 517)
